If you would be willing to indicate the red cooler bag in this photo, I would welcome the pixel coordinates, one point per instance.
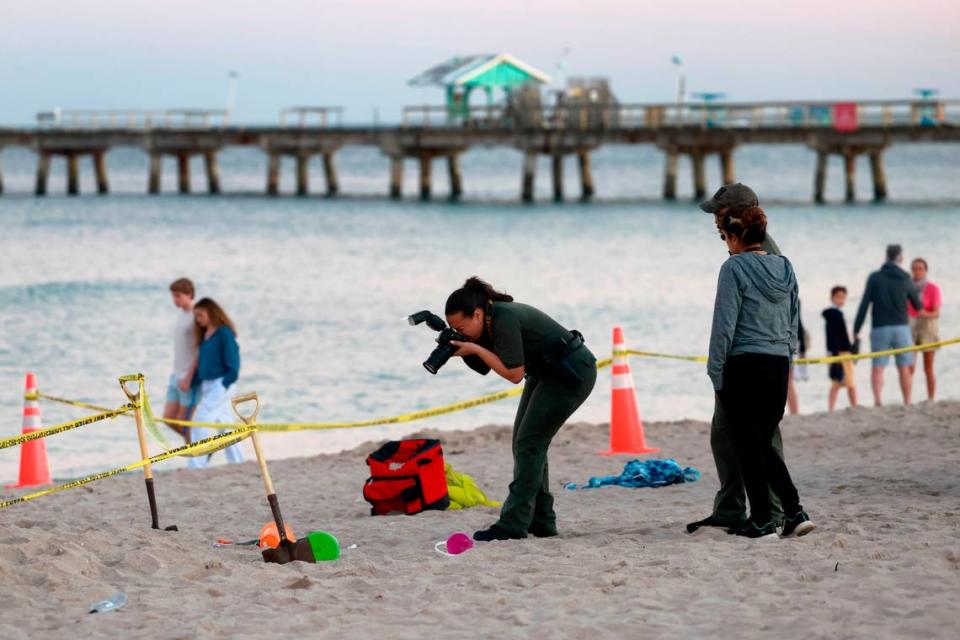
(406, 476)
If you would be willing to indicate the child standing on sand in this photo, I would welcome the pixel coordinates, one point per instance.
(838, 343)
(218, 367)
(180, 393)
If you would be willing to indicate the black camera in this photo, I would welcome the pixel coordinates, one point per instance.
(439, 356)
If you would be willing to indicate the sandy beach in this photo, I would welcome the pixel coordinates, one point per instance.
(882, 484)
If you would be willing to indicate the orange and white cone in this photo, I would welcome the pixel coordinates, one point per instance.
(626, 428)
(34, 469)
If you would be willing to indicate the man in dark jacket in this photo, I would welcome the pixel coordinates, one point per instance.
(888, 290)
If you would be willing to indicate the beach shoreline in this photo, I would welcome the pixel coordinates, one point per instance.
(881, 484)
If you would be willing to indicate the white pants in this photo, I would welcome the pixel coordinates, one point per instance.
(214, 407)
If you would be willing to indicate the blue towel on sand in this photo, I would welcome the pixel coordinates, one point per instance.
(646, 473)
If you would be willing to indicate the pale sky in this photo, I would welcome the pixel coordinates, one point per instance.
(360, 54)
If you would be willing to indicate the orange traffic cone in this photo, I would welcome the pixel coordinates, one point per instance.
(626, 428)
(34, 469)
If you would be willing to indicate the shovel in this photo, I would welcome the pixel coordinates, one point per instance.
(286, 551)
(135, 399)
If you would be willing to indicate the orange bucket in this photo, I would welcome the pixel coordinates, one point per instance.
(270, 538)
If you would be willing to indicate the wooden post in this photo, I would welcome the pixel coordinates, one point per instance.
(820, 177)
(100, 171)
(850, 175)
(670, 176)
(726, 166)
(273, 173)
(426, 165)
(586, 175)
(456, 177)
(558, 177)
(303, 174)
(156, 170)
(396, 177)
(529, 175)
(183, 171)
(879, 175)
(43, 172)
(330, 173)
(699, 176)
(73, 174)
(213, 171)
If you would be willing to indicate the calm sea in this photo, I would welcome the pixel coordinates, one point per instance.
(319, 288)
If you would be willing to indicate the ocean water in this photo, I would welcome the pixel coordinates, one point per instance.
(320, 288)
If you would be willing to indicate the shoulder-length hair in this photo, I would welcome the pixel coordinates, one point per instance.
(218, 317)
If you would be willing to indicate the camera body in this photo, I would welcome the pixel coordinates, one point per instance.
(444, 351)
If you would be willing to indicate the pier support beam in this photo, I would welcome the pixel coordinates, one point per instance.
(879, 176)
(529, 174)
(156, 170)
(670, 176)
(273, 174)
(43, 173)
(396, 177)
(213, 172)
(73, 174)
(303, 174)
(100, 172)
(850, 175)
(426, 176)
(330, 174)
(699, 175)
(183, 172)
(820, 177)
(557, 177)
(456, 177)
(586, 175)
(727, 175)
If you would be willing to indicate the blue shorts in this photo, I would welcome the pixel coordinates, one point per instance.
(897, 336)
(183, 398)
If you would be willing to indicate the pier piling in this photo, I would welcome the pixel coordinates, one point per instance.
(699, 175)
(183, 172)
(670, 176)
(273, 174)
(396, 176)
(850, 175)
(558, 177)
(726, 167)
(456, 177)
(100, 172)
(303, 174)
(73, 174)
(43, 173)
(330, 174)
(213, 171)
(426, 175)
(529, 175)
(156, 171)
(586, 175)
(879, 175)
(820, 177)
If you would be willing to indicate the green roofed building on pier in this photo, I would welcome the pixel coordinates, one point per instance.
(460, 75)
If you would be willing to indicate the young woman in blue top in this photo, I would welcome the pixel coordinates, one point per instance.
(218, 366)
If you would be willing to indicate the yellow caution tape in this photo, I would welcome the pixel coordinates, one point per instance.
(60, 428)
(76, 403)
(206, 445)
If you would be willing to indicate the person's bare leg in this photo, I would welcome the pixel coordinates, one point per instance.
(793, 401)
(906, 383)
(183, 414)
(172, 410)
(832, 398)
(876, 381)
(931, 375)
(852, 394)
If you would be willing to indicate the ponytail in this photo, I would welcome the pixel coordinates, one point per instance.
(474, 294)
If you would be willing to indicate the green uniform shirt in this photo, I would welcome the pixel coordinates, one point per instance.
(522, 335)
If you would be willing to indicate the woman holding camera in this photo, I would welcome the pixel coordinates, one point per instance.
(518, 341)
(755, 333)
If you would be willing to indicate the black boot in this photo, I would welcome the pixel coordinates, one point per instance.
(543, 531)
(496, 533)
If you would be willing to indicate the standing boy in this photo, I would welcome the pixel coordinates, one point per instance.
(181, 396)
(838, 344)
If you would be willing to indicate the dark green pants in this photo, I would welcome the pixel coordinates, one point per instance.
(544, 407)
(730, 505)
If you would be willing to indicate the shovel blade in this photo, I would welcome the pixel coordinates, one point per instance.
(289, 551)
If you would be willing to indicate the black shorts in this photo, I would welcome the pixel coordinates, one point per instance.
(836, 372)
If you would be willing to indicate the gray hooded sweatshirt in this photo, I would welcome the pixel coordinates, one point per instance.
(757, 310)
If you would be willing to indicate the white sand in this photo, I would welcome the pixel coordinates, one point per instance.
(881, 484)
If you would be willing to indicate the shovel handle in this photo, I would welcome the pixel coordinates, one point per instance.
(134, 377)
(236, 401)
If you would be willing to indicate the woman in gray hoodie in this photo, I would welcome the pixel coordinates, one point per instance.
(754, 336)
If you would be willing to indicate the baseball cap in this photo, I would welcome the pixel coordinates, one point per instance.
(736, 195)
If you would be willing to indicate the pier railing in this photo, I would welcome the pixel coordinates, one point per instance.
(311, 116)
(718, 115)
(133, 118)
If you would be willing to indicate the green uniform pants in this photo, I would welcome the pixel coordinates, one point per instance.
(544, 407)
(730, 505)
